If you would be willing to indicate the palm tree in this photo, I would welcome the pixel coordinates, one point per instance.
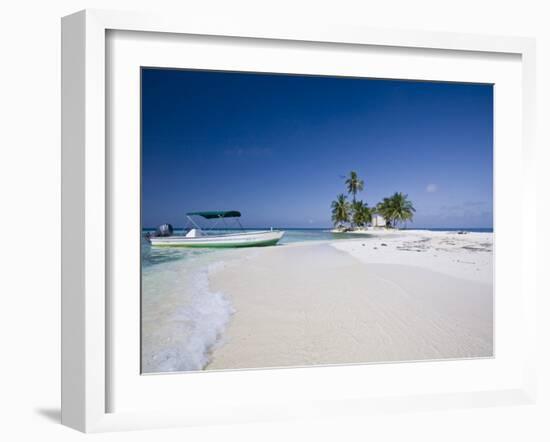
(361, 214)
(354, 184)
(340, 210)
(383, 208)
(397, 208)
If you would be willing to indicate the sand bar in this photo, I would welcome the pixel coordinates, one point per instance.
(421, 295)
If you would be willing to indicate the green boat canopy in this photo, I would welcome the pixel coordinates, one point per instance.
(216, 214)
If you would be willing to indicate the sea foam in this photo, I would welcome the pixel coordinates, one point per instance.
(188, 324)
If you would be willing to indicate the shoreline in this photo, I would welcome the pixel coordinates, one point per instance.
(383, 230)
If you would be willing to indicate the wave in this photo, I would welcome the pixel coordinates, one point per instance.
(189, 327)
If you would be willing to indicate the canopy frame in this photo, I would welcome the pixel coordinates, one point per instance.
(216, 215)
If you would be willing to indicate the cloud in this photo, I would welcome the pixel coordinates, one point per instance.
(431, 188)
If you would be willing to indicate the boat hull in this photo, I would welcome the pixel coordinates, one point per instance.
(248, 239)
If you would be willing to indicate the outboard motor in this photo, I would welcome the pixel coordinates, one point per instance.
(164, 230)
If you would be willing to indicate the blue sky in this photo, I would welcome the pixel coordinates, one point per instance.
(276, 147)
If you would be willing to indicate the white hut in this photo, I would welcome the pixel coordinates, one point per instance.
(378, 220)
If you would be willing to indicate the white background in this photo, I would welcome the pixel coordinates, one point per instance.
(29, 202)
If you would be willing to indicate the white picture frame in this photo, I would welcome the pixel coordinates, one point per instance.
(85, 202)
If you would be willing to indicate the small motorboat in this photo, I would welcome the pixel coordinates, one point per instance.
(197, 237)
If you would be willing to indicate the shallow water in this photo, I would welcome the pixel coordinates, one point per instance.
(182, 319)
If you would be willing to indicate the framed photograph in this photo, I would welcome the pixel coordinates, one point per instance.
(264, 222)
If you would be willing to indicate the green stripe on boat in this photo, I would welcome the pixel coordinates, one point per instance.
(270, 242)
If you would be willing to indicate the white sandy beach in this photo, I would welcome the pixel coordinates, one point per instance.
(395, 296)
